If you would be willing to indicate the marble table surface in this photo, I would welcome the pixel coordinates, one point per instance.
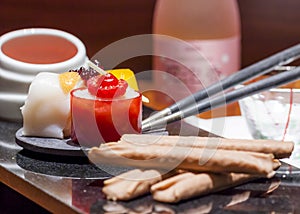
(73, 184)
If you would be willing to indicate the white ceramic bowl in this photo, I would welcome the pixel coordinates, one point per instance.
(16, 76)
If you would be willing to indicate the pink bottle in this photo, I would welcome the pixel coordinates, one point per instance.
(206, 30)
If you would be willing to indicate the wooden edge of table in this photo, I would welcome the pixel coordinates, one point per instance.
(35, 194)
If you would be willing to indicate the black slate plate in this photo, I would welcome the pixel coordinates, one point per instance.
(55, 146)
(51, 146)
(64, 147)
(66, 166)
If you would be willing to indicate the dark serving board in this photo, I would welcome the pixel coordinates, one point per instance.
(50, 146)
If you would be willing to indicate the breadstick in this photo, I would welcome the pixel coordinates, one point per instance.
(277, 148)
(196, 159)
(188, 185)
(131, 184)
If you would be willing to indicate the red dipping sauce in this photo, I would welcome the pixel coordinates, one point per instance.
(39, 49)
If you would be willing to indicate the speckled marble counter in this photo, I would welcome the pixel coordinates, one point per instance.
(73, 185)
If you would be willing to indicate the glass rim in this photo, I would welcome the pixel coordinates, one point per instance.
(95, 98)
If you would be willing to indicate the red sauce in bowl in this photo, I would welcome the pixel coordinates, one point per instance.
(39, 49)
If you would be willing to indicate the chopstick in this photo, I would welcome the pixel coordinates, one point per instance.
(262, 67)
(232, 96)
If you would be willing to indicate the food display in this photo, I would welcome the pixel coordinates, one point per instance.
(103, 113)
(193, 168)
(82, 104)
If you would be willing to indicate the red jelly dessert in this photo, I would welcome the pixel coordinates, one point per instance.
(104, 111)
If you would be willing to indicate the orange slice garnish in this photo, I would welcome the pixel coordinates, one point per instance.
(68, 80)
(126, 74)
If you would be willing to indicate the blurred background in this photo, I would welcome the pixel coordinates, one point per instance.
(267, 26)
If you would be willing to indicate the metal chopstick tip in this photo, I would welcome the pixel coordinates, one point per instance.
(157, 115)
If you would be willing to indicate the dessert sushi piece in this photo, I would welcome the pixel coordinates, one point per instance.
(46, 112)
